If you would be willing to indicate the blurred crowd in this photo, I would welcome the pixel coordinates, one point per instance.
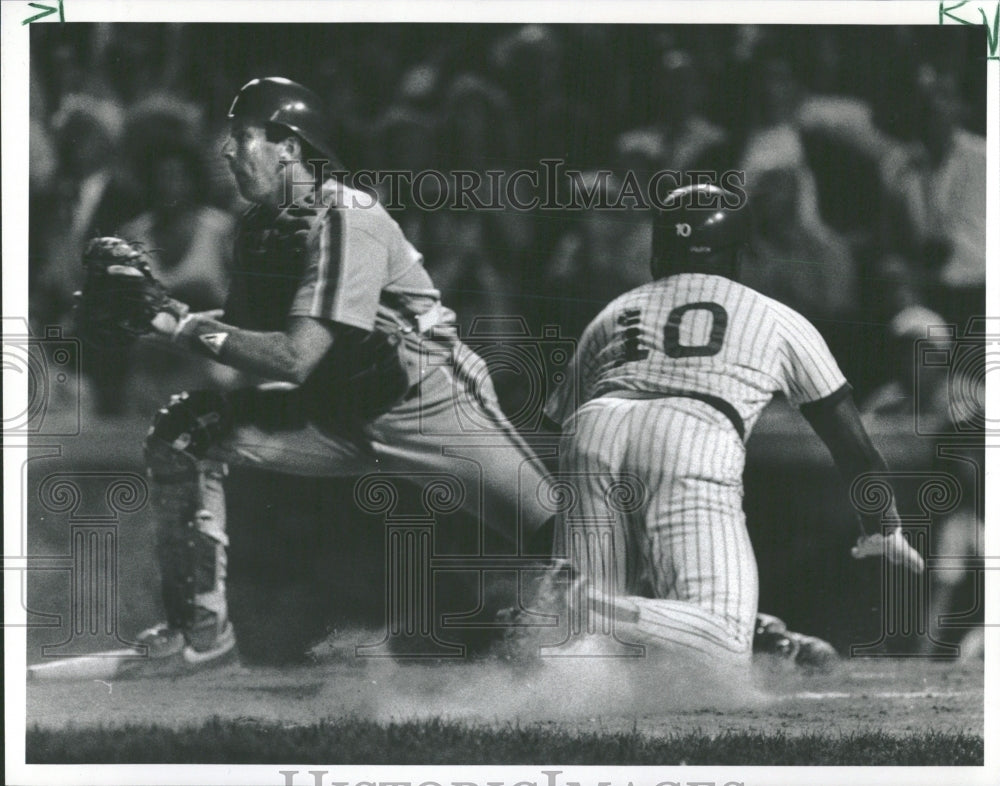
(863, 151)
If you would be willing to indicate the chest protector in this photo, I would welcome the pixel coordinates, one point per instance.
(362, 376)
(271, 258)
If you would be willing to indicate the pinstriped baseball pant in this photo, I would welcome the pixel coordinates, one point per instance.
(682, 561)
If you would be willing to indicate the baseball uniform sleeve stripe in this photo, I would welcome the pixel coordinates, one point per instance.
(347, 273)
(320, 279)
(330, 236)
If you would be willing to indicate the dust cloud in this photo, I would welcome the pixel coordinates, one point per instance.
(498, 686)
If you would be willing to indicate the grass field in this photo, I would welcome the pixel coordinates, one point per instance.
(341, 711)
(440, 742)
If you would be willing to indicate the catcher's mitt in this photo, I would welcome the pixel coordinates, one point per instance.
(120, 295)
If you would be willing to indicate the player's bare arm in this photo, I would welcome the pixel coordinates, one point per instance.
(288, 356)
(837, 422)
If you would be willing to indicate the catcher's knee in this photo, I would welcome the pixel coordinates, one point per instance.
(185, 429)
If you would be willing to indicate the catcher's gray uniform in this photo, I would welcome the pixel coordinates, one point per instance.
(673, 375)
(390, 396)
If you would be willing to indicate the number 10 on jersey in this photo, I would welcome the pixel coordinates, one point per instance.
(631, 319)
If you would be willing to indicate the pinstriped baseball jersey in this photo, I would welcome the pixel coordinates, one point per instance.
(660, 370)
(702, 334)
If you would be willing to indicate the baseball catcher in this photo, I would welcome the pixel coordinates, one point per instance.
(331, 308)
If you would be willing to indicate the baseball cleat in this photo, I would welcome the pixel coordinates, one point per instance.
(169, 651)
(768, 624)
(772, 637)
(813, 652)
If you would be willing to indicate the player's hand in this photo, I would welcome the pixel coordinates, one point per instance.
(171, 321)
(166, 321)
(893, 546)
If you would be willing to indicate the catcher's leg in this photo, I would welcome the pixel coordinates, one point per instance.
(455, 426)
(190, 509)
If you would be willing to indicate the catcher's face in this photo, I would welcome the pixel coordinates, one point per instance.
(255, 162)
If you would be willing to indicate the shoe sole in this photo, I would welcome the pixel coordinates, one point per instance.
(130, 664)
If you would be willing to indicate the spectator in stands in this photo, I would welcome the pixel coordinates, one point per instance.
(600, 92)
(90, 197)
(340, 94)
(405, 140)
(773, 140)
(189, 242)
(531, 65)
(88, 191)
(602, 255)
(190, 246)
(688, 139)
(43, 165)
(138, 62)
(799, 263)
(464, 252)
(477, 125)
(640, 152)
(936, 201)
(478, 133)
(419, 88)
(897, 396)
(933, 224)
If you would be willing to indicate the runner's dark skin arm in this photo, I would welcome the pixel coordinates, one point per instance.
(838, 423)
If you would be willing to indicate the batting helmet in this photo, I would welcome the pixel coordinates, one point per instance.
(699, 228)
(275, 99)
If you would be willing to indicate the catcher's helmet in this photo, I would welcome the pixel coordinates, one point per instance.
(700, 228)
(275, 99)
